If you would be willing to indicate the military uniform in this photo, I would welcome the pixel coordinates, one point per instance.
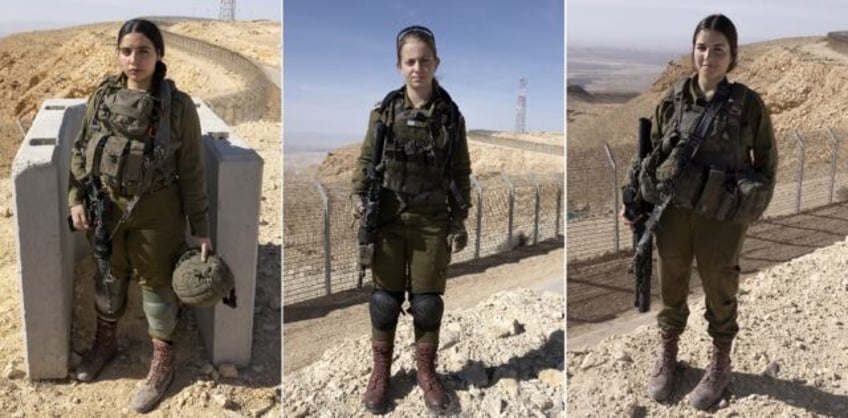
(152, 237)
(426, 149)
(711, 226)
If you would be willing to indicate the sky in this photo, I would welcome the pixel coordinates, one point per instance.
(668, 24)
(46, 14)
(339, 60)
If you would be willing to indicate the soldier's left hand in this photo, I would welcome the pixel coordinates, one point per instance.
(205, 244)
(457, 237)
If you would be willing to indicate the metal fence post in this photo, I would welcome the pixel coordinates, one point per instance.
(802, 149)
(511, 206)
(558, 207)
(536, 209)
(325, 205)
(20, 126)
(835, 142)
(478, 238)
(614, 194)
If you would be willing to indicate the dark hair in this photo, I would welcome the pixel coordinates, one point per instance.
(152, 32)
(723, 25)
(420, 33)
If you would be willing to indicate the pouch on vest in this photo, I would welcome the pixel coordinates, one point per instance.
(754, 195)
(718, 199)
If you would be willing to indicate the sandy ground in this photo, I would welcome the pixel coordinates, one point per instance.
(68, 63)
(258, 40)
(779, 370)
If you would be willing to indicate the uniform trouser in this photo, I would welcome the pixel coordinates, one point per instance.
(148, 243)
(681, 235)
(411, 254)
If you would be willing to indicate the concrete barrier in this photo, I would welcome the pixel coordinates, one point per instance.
(47, 249)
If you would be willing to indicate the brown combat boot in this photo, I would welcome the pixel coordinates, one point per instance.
(662, 378)
(428, 380)
(716, 378)
(103, 350)
(377, 395)
(160, 376)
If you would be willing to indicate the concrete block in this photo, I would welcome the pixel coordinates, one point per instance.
(234, 180)
(47, 249)
(45, 272)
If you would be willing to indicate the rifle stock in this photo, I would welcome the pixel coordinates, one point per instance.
(368, 224)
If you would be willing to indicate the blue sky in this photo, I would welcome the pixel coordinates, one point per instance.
(339, 59)
(44, 14)
(668, 24)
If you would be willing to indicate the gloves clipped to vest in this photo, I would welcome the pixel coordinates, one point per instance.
(457, 236)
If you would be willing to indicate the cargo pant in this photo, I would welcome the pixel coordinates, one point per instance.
(411, 254)
(681, 236)
(147, 244)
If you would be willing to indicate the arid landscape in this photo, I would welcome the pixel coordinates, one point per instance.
(68, 63)
(792, 265)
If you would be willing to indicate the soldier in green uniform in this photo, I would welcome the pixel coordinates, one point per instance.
(422, 209)
(140, 144)
(727, 185)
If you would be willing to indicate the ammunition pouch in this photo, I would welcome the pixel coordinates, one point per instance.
(714, 193)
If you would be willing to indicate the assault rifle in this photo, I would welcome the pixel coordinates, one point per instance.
(368, 224)
(634, 210)
(97, 211)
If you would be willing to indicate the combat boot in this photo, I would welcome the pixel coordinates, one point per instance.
(103, 350)
(662, 378)
(377, 394)
(716, 378)
(158, 379)
(428, 380)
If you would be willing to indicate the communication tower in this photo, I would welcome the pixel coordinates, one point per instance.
(521, 108)
(228, 10)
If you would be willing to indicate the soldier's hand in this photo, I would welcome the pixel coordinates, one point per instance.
(78, 217)
(457, 237)
(357, 202)
(205, 244)
(627, 221)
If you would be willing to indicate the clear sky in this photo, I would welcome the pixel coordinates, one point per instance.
(339, 59)
(668, 24)
(43, 14)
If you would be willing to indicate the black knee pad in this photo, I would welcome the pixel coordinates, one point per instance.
(385, 308)
(426, 311)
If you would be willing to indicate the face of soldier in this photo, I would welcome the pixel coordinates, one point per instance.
(711, 55)
(137, 56)
(417, 64)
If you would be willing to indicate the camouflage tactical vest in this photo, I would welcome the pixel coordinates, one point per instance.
(719, 181)
(128, 142)
(418, 149)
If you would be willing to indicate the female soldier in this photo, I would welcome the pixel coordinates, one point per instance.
(138, 166)
(714, 195)
(425, 182)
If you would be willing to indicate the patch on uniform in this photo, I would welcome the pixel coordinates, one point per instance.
(735, 109)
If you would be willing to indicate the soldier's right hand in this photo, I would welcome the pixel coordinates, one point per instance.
(357, 202)
(78, 217)
(625, 220)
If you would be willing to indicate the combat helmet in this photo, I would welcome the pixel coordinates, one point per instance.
(201, 283)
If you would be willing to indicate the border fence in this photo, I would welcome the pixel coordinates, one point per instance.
(812, 172)
(320, 246)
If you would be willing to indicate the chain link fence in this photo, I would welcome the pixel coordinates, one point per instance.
(260, 99)
(320, 235)
(812, 172)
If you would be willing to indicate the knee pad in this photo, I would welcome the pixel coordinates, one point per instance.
(426, 311)
(160, 308)
(385, 309)
(110, 296)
